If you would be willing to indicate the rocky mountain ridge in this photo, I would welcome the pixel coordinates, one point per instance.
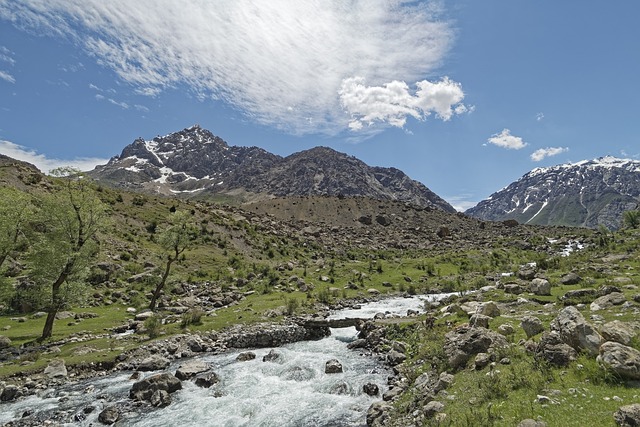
(589, 193)
(194, 162)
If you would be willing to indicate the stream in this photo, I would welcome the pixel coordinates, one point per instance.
(294, 390)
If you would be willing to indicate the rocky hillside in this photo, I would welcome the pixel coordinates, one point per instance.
(587, 193)
(194, 162)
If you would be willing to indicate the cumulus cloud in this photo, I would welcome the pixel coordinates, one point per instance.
(539, 117)
(45, 163)
(543, 153)
(281, 62)
(392, 102)
(504, 139)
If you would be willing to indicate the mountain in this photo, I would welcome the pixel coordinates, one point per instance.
(587, 194)
(194, 162)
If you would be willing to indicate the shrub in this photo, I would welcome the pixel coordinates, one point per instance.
(153, 326)
(192, 317)
(292, 306)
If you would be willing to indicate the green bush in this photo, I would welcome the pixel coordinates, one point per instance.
(153, 326)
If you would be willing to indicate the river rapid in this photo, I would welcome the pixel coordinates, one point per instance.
(293, 390)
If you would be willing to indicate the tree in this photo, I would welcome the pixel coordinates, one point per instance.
(631, 218)
(174, 239)
(69, 220)
(15, 213)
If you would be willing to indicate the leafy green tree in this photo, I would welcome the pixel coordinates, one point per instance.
(16, 211)
(631, 218)
(174, 240)
(69, 220)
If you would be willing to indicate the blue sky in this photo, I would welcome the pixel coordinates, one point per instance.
(464, 96)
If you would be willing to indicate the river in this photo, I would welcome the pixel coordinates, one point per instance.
(292, 391)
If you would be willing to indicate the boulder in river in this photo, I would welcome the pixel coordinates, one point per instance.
(191, 369)
(144, 389)
(109, 415)
(333, 366)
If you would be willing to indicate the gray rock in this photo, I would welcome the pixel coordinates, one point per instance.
(570, 279)
(540, 286)
(554, 350)
(531, 325)
(489, 308)
(191, 369)
(527, 273)
(444, 381)
(618, 331)
(576, 332)
(608, 301)
(465, 342)
(109, 415)
(153, 363)
(9, 393)
(144, 389)
(513, 288)
(628, 415)
(432, 408)
(160, 399)
(506, 329)
(359, 343)
(56, 369)
(333, 366)
(394, 357)
(623, 360)
(482, 360)
(207, 380)
(371, 389)
(272, 356)
(5, 342)
(246, 356)
(378, 413)
(479, 321)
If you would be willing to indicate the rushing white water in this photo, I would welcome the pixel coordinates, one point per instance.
(291, 391)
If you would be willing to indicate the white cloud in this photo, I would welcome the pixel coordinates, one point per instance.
(6, 55)
(539, 117)
(44, 163)
(542, 153)
(7, 77)
(392, 102)
(263, 57)
(504, 139)
(120, 104)
(461, 203)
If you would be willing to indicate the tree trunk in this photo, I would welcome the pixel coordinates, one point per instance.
(55, 301)
(156, 292)
(47, 331)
